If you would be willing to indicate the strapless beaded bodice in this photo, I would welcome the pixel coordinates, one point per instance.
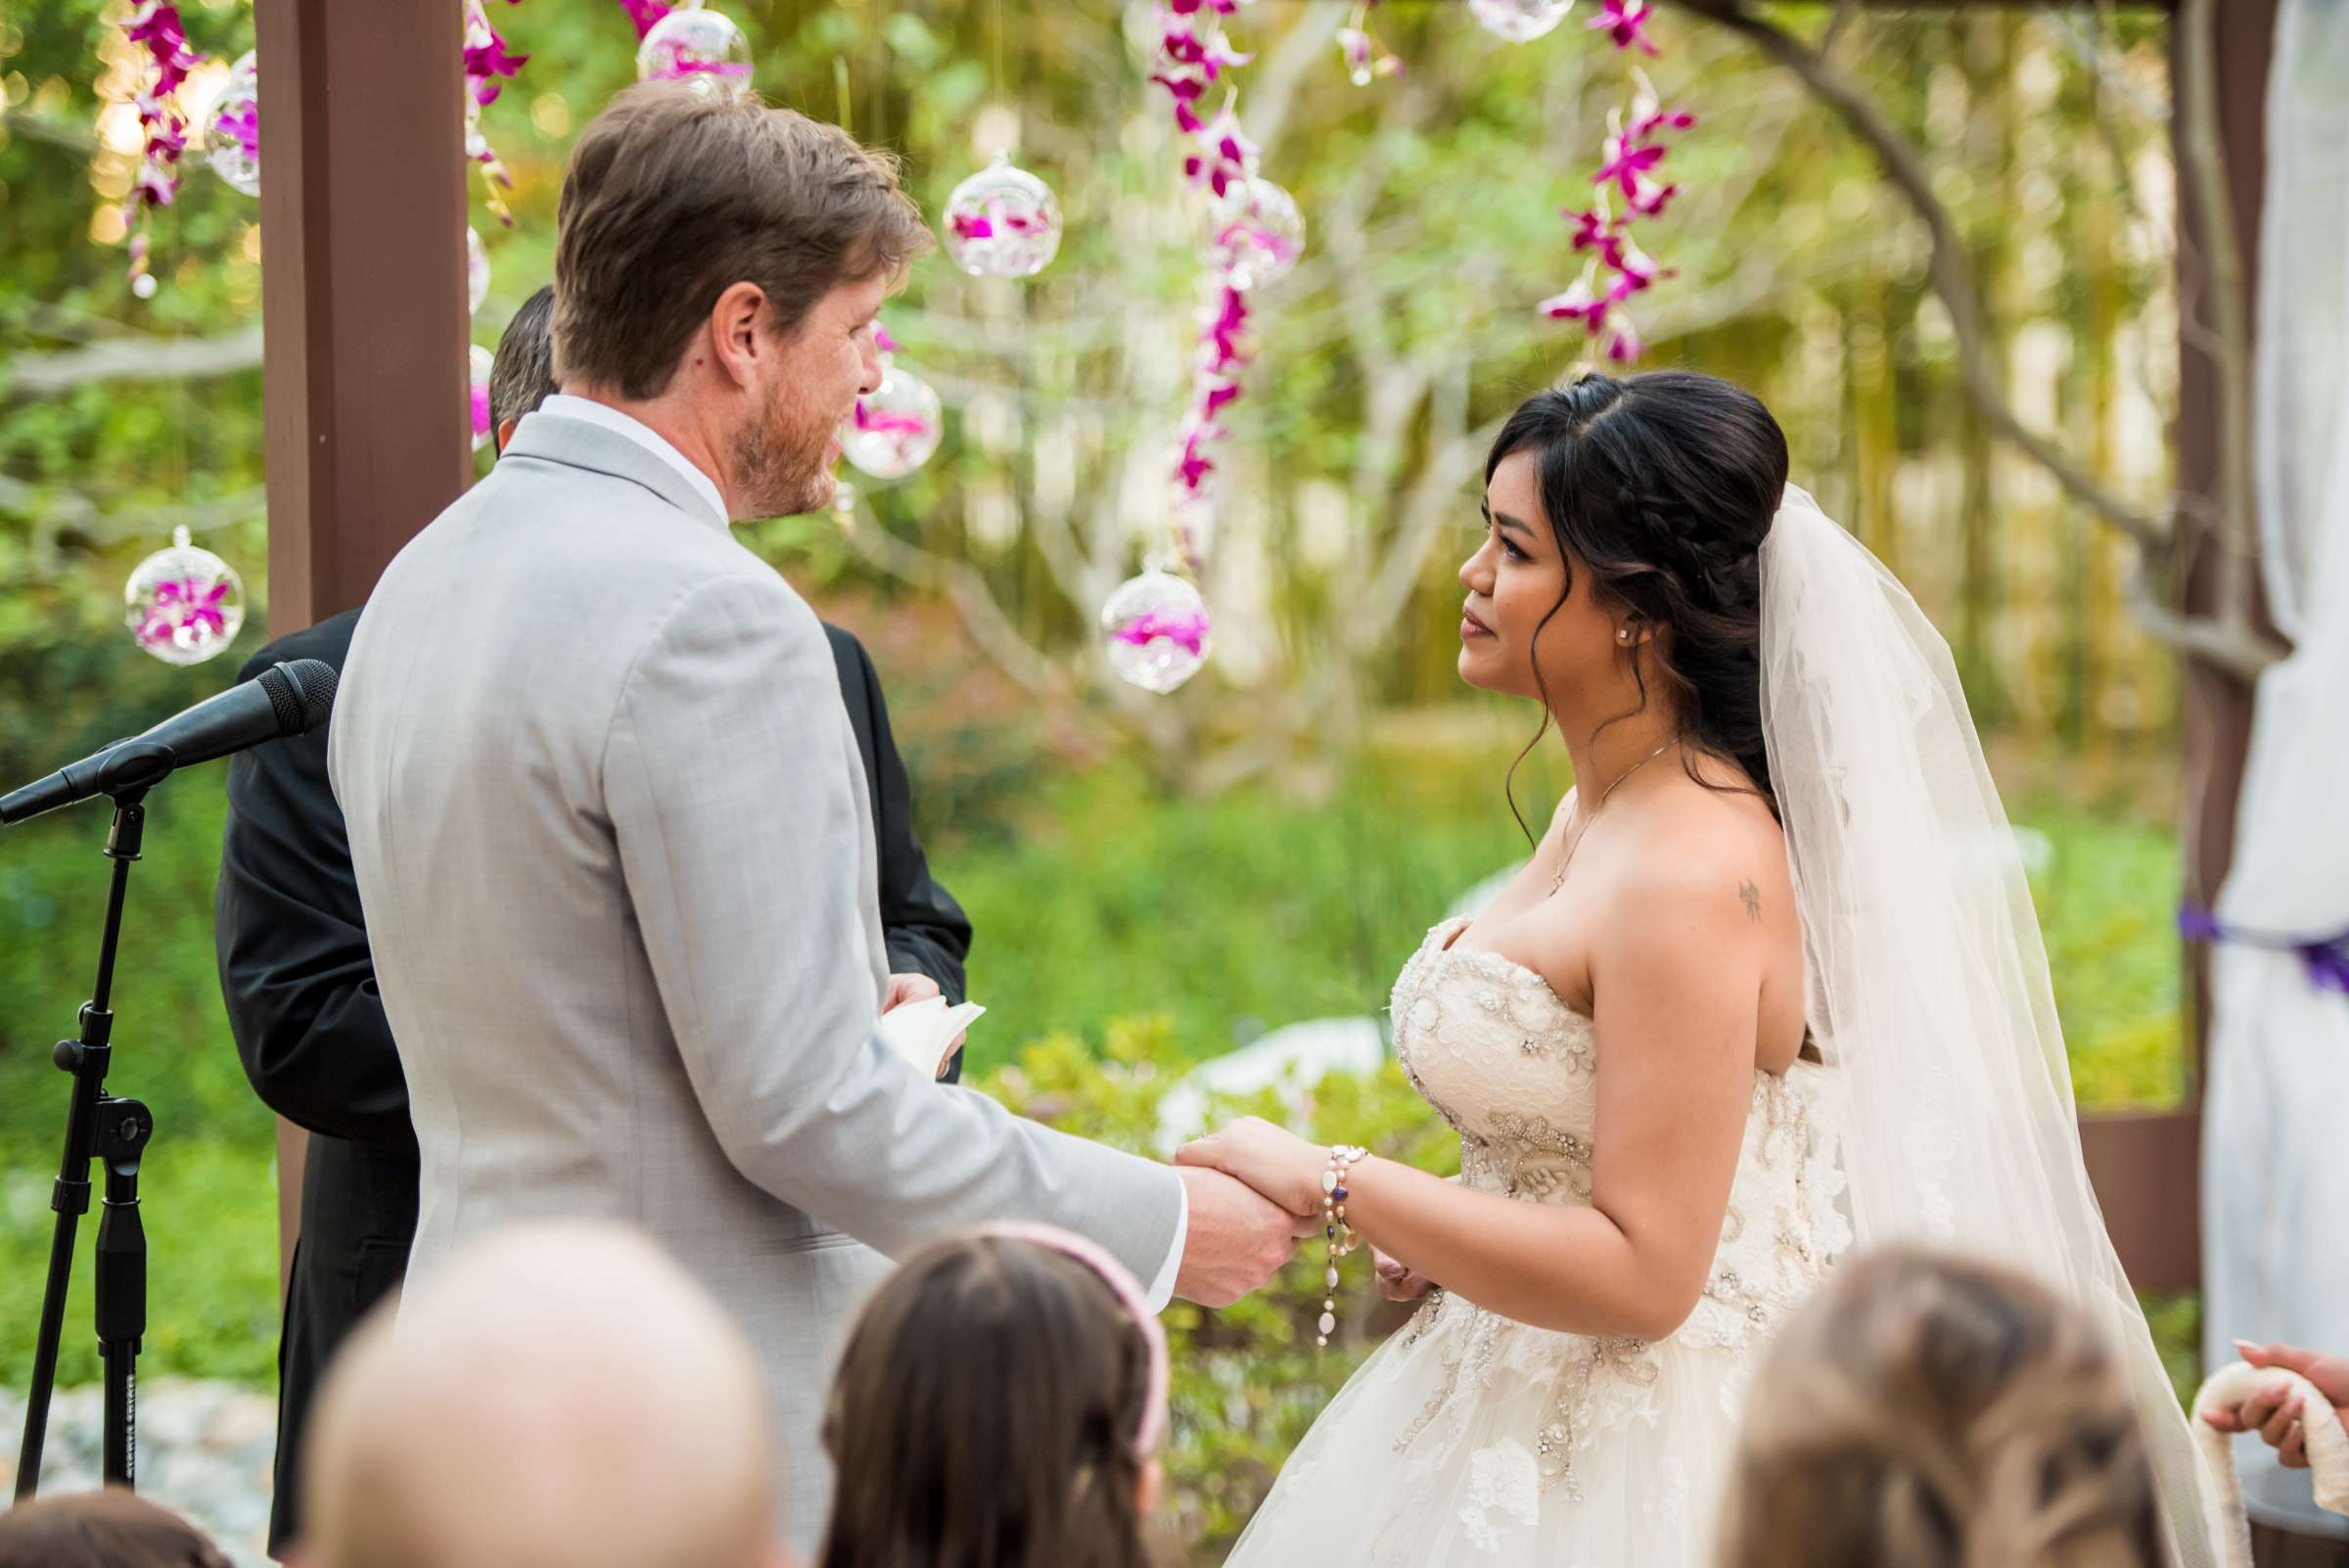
(1515, 1072)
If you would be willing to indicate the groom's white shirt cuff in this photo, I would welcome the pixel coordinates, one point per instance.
(1162, 1289)
(643, 435)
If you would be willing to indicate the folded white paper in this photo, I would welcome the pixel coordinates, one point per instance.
(924, 1032)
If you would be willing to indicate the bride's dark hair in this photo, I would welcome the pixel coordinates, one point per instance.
(1663, 485)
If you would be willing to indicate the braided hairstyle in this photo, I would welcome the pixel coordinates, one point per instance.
(1926, 1412)
(986, 1415)
(1663, 485)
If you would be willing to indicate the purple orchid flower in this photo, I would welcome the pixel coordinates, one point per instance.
(1194, 468)
(245, 124)
(1648, 198)
(1579, 302)
(883, 341)
(643, 14)
(1625, 23)
(185, 602)
(1624, 163)
(1647, 121)
(491, 58)
(1623, 344)
(972, 226)
(1188, 630)
(1224, 332)
(680, 68)
(883, 422)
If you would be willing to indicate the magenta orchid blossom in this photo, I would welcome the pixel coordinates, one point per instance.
(183, 602)
(1625, 23)
(487, 64)
(154, 26)
(1186, 632)
(1628, 168)
(884, 422)
(1366, 59)
(1218, 160)
(642, 14)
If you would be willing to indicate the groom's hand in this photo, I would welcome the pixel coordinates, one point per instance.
(1238, 1238)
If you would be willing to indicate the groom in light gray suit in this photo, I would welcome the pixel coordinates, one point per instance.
(606, 810)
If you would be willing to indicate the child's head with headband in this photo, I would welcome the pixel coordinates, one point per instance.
(1001, 1400)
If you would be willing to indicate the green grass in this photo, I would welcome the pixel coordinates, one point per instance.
(1108, 901)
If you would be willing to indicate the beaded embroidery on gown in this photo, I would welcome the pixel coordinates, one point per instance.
(1470, 1438)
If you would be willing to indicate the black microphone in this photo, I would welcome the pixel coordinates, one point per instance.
(285, 699)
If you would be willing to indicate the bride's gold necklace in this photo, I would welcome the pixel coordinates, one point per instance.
(1567, 859)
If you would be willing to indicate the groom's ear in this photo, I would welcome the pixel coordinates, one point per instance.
(738, 335)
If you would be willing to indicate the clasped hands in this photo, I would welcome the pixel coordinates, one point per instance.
(1254, 1190)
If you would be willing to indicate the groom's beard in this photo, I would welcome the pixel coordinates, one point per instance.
(782, 463)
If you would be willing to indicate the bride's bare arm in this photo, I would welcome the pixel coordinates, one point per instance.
(1676, 988)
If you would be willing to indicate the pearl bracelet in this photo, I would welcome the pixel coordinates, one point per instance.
(1341, 1235)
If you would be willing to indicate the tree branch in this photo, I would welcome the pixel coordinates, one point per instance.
(963, 586)
(1953, 269)
(134, 358)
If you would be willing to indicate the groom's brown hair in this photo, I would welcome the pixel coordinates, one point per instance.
(674, 196)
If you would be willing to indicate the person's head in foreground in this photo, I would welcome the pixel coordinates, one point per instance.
(560, 1395)
(1000, 1402)
(719, 266)
(110, 1529)
(1620, 569)
(1928, 1413)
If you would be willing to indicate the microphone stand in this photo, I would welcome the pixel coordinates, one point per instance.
(99, 1126)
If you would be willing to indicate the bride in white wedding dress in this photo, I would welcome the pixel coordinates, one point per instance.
(1771, 979)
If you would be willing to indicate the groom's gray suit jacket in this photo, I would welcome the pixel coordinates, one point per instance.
(613, 840)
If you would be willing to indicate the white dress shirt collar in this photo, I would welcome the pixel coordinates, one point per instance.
(644, 435)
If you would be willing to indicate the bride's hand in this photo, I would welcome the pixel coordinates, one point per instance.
(1277, 1163)
(1397, 1279)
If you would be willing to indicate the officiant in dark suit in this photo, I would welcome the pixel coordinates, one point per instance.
(301, 989)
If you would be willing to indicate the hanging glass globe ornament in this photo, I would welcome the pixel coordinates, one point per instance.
(477, 272)
(1002, 222)
(185, 604)
(480, 362)
(232, 128)
(1259, 233)
(701, 47)
(1519, 20)
(894, 428)
(1158, 630)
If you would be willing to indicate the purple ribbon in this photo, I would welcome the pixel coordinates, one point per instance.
(2326, 958)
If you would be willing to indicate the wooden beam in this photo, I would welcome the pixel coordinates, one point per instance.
(2145, 1173)
(364, 324)
(366, 424)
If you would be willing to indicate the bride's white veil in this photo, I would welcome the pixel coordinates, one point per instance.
(1928, 982)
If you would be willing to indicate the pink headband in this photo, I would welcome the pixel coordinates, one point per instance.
(1129, 1292)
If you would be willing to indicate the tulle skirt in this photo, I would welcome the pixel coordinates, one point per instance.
(1471, 1439)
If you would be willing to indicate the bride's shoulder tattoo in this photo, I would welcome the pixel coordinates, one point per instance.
(1751, 897)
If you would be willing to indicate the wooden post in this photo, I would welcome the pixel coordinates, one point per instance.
(363, 316)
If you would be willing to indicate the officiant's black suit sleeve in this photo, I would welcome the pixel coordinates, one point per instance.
(295, 969)
(926, 929)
